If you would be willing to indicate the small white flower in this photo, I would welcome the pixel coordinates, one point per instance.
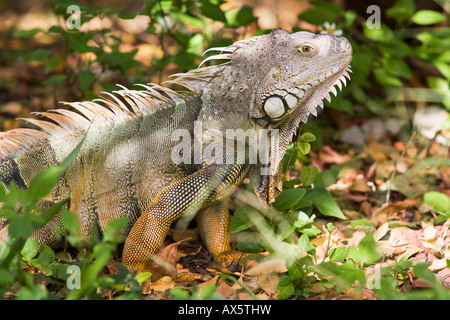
(331, 29)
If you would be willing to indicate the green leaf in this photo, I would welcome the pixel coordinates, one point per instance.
(30, 249)
(285, 288)
(141, 277)
(307, 137)
(343, 276)
(325, 203)
(366, 252)
(44, 182)
(36, 55)
(190, 20)
(305, 245)
(46, 253)
(321, 13)
(398, 67)
(240, 220)
(308, 175)
(20, 227)
(362, 223)
(384, 78)
(212, 11)
(402, 10)
(70, 221)
(289, 198)
(47, 215)
(338, 254)
(425, 17)
(85, 79)
(51, 64)
(26, 33)
(439, 201)
(245, 16)
(55, 80)
(304, 147)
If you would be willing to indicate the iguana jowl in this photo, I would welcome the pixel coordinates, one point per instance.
(125, 166)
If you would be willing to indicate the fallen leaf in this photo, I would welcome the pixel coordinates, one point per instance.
(224, 289)
(328, 155)
(161, 285)
(268, 266)
(268, 282)
(165, 262)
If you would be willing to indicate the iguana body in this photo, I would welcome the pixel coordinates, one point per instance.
(126, 164)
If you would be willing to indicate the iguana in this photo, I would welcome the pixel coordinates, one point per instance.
(132, 160)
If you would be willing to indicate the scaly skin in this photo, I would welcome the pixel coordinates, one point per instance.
(126, 165)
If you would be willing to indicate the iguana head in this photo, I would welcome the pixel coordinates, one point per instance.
(303, 68)
(283, 77)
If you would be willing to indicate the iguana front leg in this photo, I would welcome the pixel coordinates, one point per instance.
(186, 196)
(214, 227)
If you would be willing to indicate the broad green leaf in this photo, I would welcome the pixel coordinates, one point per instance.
(20, 227)
(240, 220)
(289, 198)
(285, 288)
(85, 79)
(318, 16)
(36, 55)
(439, 201)
(308, 175)
(362, 222)
(141, 277)
(305, 245)
(30, 249)
(212, 11)
(384, 78)
(338, 254)
(307, 137)
(304, 147)
(245, 16)
(26, 33)
(366, 252)
(70, 221)
(51, 64)
(44, 182)
(425, 17)
(325, 203)
(55, 79)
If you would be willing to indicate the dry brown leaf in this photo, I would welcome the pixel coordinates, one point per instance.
(268, 282)
(161, 285)
(438, 264)
(212, 281)
(328, 155)
(381, 231)
(268, 266)
(244, 296)
(165, 262)
(380, 215)
(224, 289)
(359, 184)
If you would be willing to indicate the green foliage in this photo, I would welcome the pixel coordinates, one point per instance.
(20, 253)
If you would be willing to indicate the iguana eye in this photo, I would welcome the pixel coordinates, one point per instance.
(306, 49)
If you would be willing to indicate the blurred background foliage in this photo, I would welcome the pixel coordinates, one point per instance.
(388, 131)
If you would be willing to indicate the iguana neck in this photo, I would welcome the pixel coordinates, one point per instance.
(229, 98)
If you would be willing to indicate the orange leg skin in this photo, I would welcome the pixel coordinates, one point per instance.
(214, 227)
(184, 197)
